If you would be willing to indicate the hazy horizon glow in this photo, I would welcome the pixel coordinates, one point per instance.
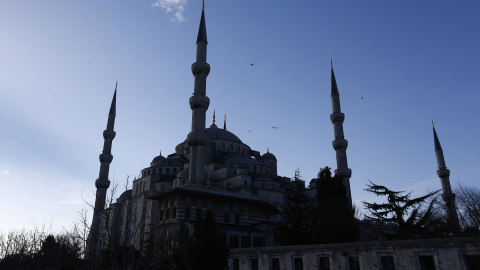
(398, 65)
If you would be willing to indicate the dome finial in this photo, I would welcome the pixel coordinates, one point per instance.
(268, 150)
(213, 124)
(225, 122)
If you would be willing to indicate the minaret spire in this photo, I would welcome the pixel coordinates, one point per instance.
(448, 196)
(102, 183)
(199, 102)
(339, 144)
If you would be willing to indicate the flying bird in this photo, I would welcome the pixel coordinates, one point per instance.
(362, 98)
(251, 64)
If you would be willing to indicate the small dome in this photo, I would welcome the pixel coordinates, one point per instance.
(241, 160)
(170, 162)
(269, 155)
(126, 195)
(156, 160)
(221, 134)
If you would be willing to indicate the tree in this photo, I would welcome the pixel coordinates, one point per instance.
(468, 204)
(36, 250)
(208, 247)
(403, 213)
(293, 228)
(333, 217)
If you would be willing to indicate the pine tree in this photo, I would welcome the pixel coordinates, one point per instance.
(293, 229)
(403, 213)
(333, 218)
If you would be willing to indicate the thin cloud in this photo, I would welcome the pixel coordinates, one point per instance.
(6, 173)
(176, 6)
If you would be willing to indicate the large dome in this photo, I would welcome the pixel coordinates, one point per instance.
(222, 134)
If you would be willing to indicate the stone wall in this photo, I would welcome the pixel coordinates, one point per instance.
(439, 254)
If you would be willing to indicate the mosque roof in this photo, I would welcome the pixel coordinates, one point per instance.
(156, 160)
(167, 162)
(126, 195)
(269, 155)
(241, 160)
(221, 134)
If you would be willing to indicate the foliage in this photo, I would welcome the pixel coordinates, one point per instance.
(333, 218)
(404, 213)
(34, 249)
(294, 227)
(208, 248)
(468, 204)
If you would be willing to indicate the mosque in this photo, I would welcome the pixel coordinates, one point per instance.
(212, 169)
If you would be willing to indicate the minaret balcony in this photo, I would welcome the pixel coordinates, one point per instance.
(199, 102)
(337, 117)
(443, 173)
(448, 197)
(105, 158)
(109, 134)
(196, 138)
(340, 144)
(200, 68)
(102, 183)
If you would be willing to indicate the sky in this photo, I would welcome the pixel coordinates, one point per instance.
(398, 65)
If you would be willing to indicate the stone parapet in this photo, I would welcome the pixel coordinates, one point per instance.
(200, 68)
(199, 102)
(337, 117)
(442, 172)
(339, 144)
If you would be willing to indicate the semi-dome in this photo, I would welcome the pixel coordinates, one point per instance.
(269, 155)
(156, 160)
(241, 160)
(221, 134)
(170, 162)
(126, 195)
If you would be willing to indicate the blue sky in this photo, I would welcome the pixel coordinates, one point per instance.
(411, 61)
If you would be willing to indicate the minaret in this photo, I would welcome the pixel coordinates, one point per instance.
(199, 103)
(102, 184)
(340, 144)
(448, 196)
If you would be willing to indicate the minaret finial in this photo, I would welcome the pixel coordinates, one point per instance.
(213, 123)
(225, 122)
(433, 124)
(331, 62)
(268, 150)
(203, 4)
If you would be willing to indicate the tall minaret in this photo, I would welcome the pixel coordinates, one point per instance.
(448, 196)
(340, 144)
(199, 102)
(102, 184)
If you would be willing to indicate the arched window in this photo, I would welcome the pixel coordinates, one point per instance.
(255, 169)
(167, 171)
(228, 184)
(231, 146)
(148, 172)
(174, 170)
